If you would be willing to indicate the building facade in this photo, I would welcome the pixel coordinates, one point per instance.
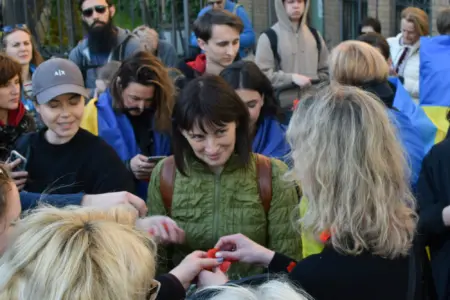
(338, 20)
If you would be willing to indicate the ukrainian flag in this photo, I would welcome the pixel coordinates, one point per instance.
(435, 82)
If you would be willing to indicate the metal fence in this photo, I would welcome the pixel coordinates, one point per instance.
(57, 25)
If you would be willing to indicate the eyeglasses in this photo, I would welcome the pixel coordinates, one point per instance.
(154, 290)
(100, 9)
(11, 28)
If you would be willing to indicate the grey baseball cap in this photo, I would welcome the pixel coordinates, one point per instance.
(57, 76)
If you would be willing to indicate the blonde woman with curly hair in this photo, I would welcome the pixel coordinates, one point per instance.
(353, 172)
(88, 253)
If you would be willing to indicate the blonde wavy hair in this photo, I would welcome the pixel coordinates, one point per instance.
(355, 63)
(353, 172)
(78, 254)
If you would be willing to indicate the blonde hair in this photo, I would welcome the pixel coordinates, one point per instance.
(355, 63)
(419, 18)
(78, 254)
(353, 172)
(148, 37)
(272, 290)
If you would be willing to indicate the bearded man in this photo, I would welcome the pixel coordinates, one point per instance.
(104, 41)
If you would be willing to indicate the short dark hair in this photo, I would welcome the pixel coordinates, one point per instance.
(9, 68)
(372, 22)
(209, 101)
(247, 75)
(80, 3)
(378, 41)
(443, 21)
(203, 25)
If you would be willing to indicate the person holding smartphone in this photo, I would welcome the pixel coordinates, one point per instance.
(134, 115)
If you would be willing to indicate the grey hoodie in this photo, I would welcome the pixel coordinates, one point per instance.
(81, 55)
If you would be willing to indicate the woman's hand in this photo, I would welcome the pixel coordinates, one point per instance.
(208, 278)
(238, 247)
(164, 229)
(192, 265)
(140, 167)
(19, 177)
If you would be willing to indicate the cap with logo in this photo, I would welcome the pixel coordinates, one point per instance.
(55, 77)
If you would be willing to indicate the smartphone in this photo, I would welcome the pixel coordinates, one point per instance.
(155, 159)
(15, 155)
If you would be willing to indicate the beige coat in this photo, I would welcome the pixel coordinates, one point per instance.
(297, 49)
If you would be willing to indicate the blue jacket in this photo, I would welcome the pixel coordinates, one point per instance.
(411, 142)
(248, 36)
(417, 116)
(116, 129)
(270, 139)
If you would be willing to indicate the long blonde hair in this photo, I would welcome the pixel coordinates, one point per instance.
(355, 63)
(78, 254)
(353, 172)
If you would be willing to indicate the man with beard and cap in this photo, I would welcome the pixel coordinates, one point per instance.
(104, 41)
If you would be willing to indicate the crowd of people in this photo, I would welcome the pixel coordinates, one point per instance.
(254, 169)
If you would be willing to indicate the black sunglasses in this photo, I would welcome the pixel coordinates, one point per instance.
(100, 9)
(11, 28)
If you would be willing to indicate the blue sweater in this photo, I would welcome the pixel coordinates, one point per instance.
(248, 36)
(270, 139)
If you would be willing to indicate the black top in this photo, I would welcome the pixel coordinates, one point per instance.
(143, 133)
(433, 195)
(85, 164)
(331, 275)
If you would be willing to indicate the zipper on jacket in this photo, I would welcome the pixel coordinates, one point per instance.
(216, 208)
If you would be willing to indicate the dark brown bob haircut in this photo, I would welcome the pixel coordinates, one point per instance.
(9, 68)
(146, 69)
(204, 24)
(209, 102)
(378, 41)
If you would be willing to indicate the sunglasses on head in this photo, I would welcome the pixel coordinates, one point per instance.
(214, 2)
(11, 28)
(100, 9)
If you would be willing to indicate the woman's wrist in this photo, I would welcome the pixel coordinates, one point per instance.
(266, 257)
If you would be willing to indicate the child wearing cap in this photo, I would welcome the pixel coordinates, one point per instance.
(63, 158)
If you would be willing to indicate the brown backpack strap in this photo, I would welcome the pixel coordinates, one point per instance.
(166, 182)
(264, 174)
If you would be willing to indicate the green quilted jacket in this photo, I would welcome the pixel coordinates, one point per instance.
(208, 206)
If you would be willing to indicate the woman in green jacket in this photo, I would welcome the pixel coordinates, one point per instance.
(214, 185)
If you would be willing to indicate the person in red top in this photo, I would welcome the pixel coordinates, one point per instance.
(217, 33)
(14, 120)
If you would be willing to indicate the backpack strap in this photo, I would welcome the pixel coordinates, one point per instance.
(273, 39)
(166, 182)
(236, 6)
(316, 35)
(264, 175)
(119, 53)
